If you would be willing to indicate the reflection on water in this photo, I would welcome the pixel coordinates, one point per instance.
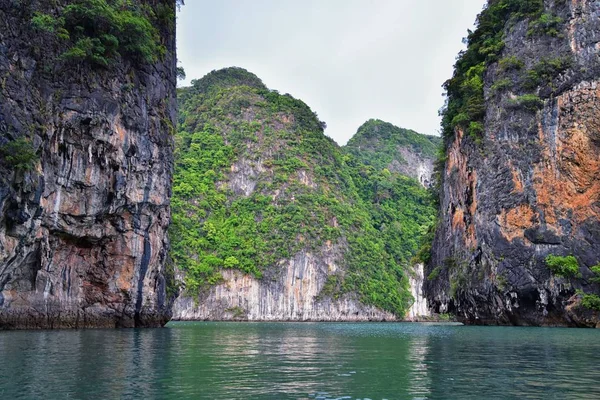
(301, 361)
(418, 380)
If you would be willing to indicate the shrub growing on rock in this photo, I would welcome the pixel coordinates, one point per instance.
(591, 301)
(563, 266)
(102, 30)
(19, 154)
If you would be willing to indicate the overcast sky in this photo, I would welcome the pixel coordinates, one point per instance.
(349, 60)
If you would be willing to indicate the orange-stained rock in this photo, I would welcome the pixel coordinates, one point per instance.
(529, 188)
(517, 181)
(514, 222)
(566, 181)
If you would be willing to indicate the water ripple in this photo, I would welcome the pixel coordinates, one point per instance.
(302, 361)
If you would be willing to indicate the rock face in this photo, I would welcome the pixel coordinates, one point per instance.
(419, 309)
(383, 145)
(413, 164)
(83, 234)
(292, 295)
(531, 186)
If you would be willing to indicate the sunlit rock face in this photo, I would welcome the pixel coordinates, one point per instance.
(419, 309)
(83, 235)
(292, 294)
(530, 189)
(415, 165)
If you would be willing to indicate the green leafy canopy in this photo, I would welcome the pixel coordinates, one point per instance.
(99, 31)
(307, 195)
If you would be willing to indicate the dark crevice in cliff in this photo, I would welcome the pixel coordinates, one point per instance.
(144, 262)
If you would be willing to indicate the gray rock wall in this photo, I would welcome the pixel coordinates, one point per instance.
(414, 165)
(530, 189)
(291, 295)
(419, 309)
(83, 235)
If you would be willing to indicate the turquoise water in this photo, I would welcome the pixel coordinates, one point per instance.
(302, 361)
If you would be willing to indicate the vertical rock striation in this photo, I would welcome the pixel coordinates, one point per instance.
(530, 187)
(419, 309)
(293, 293)
(83, 234)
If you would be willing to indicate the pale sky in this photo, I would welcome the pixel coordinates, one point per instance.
(349, 60)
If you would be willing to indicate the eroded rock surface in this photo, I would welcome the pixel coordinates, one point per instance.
(529, 190)
(83, 235)
(291, 294)
(420, 308)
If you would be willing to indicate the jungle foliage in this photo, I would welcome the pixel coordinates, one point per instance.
(564, 266)
(257, 182)
(376, 144)
(101, 31)
(18, 154)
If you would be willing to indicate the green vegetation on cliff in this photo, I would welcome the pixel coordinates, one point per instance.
(377, 143)
(563, 266)
(401, 210)
(465, 106)
(591, 301)
(99, 31)
(257, 181)
(18, 154)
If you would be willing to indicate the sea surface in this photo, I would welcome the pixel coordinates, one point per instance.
(302, 361)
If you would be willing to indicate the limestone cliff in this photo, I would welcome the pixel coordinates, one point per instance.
(419, 309)
(292, 295)
(518, 240)
(86, 142)
(383, 145)
(272, 221)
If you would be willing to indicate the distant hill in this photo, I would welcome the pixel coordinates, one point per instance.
(385, 146)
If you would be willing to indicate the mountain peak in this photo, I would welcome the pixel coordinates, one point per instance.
(384, 145)
(227, 77)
